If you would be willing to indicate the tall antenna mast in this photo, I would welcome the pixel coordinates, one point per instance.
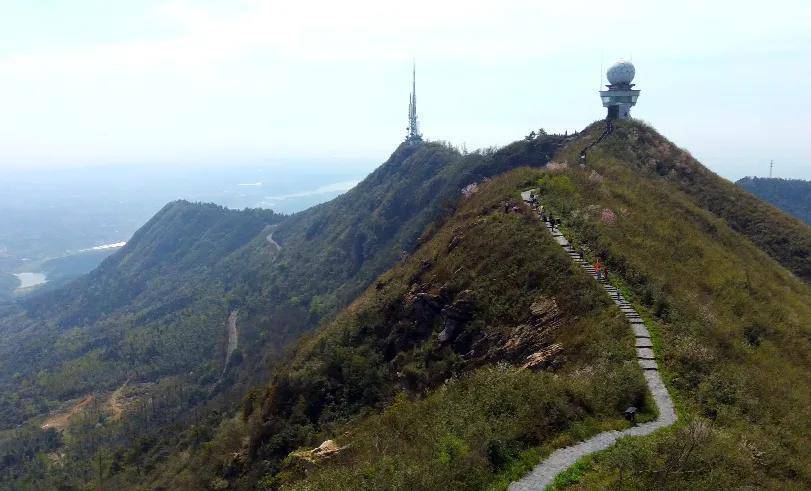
(413, 135)
(771, 168)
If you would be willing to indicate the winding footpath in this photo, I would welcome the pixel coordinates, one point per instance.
(233, 339)
(270, 240)
(560, 460)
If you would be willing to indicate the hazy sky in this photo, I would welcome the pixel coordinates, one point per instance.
(156, 81)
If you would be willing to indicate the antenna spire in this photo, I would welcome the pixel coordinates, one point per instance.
(771, 168)
(413, 135)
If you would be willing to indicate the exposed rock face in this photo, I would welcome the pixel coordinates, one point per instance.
(426, 305)
(456, 314)
(540, 359)
(529, 344)
(324, 451)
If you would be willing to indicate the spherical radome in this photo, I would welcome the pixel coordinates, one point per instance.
(621, 72)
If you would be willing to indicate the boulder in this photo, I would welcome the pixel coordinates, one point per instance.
(542, 358)
(326, 450)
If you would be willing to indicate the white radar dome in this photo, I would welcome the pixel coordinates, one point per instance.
(621, 72)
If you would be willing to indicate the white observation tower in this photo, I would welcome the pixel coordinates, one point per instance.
(620, 95)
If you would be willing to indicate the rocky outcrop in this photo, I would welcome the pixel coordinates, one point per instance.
(530, 345)
(324, 451)
(543, 358)
(456, 314)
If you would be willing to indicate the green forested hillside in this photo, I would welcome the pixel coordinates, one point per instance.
(489, 287)
(731, 321)
(456, 344)
(152, 317)
(793, 196)
(147, 311)
(412, 411)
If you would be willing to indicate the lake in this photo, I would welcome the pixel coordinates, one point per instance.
(30, 279)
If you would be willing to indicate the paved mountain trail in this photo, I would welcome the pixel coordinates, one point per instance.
(558, 461)
(233, 338)
(270, 239)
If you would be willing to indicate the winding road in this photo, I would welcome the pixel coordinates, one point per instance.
(233, 337)
(544, 473)
(270, 240)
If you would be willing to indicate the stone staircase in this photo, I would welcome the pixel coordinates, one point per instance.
(609, 127)
(544, 473)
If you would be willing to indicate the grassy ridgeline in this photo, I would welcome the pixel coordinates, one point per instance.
(733, 324)
(450, 416)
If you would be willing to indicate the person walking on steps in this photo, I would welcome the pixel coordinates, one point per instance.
(598, 266)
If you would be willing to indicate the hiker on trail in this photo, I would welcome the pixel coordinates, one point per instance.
(605, 273)
(506, 207)
(598, 266)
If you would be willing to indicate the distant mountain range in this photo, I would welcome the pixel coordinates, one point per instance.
(790, 195)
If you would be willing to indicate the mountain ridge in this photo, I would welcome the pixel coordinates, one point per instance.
(415, 302)
(793, 196)
(169, 332)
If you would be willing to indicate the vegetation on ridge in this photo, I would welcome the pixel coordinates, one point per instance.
(650, 155)
(730, 320)
(793, 196)
(488, 287)
(418, 380)
(170, 293)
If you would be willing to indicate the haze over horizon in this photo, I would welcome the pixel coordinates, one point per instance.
(171, 82)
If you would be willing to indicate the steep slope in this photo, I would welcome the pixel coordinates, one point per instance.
(407, 380)
(154, 314)
(783, 237)
(151, 309)
(489, 287)
(480, 352)
(793, 196)
(729, 319)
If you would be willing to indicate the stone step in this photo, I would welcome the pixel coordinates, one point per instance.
(645, 354)
(648, 364)
(643, 343)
